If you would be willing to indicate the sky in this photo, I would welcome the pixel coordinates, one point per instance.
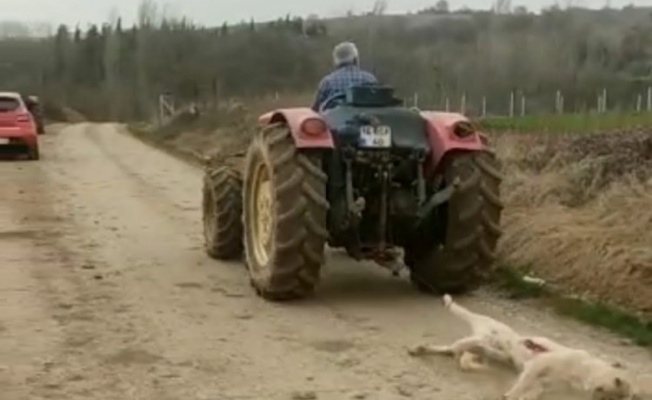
(215, 12)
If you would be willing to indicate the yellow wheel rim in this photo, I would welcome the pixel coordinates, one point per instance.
(260, 208)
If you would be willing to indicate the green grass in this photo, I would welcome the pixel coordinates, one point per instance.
(593, 313)
(511, 280)
(614, 319)
(567, 123)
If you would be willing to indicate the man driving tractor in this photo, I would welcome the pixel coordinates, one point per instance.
(347, 74)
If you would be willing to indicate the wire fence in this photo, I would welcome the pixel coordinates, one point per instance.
(515, 110)
(517, 104)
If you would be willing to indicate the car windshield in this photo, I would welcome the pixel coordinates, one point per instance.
(8, 104)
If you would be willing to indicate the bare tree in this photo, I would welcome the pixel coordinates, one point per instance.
(380, 6)
(442, 7)
(114, 72)
(503, 6)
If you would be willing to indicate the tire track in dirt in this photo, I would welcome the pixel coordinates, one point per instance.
(167, 223)
(21, 311)
(77, 299)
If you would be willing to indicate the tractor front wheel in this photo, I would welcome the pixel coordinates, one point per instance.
(285, 209)
(222, 213)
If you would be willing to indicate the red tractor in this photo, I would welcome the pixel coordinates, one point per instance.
(364, 174)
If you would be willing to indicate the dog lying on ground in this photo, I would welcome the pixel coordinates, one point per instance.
(539, 360)
(489, 340)
(577, 369)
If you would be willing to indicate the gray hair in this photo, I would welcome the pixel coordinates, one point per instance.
(345, 53)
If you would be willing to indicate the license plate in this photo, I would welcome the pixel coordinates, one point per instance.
(376, 137)
(4, 141)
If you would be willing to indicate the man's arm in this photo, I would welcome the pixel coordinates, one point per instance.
(322, 92)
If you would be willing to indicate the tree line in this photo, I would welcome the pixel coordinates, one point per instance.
(114, 72)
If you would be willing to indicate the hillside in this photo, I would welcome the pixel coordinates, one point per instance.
(114, 72)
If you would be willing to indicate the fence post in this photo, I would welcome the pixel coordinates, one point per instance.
(484, 106)
(416, 99)
(558, 102)
(166, 107)
(604, 100)
(463, 104)
(159, 114)
(522, 105)
(511, 105)
(639, 103)
(448, 104)
(649, 99)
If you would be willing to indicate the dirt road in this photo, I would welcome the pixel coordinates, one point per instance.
(106, 294)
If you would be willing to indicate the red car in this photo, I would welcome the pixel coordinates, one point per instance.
(18, 131)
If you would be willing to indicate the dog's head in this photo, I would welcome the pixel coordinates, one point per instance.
(612, 386)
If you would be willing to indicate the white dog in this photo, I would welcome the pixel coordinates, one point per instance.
(489, 339)
(539, 360)
(577, 369)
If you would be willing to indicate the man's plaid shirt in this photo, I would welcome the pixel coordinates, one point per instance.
(339, 81)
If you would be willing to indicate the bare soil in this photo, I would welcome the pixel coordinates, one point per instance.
(107, 294)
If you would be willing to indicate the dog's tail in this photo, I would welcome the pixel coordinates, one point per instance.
(458, 310)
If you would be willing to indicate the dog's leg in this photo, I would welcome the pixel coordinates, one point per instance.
(467, 351)
(429, 349)
(533, 393)
(474, 358)
(454, 349)
(529, 385)
(471, 362)
(464, 351)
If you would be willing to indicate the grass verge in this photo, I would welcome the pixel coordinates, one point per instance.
(614, 319)
(568, 123)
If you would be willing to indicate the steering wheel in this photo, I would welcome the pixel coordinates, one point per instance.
(326, 104)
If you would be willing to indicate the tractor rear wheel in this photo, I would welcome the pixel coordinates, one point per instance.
(444, 257)
(285, 209)
(492, 178)
(222, 213)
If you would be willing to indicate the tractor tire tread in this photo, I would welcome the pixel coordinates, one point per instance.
(222, 221)
(299, 234)
(453, 266)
